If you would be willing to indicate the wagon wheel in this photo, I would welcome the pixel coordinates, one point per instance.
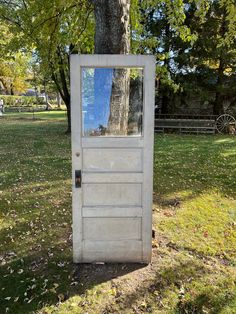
(225, 122)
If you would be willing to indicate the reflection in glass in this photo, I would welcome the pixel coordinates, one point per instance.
(112, 101)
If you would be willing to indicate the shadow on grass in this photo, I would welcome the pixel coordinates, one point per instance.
(203, 301)
(42, 281)
(93, 274)
(150, 295)
(37, 289)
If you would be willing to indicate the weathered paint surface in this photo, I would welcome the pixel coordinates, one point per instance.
(112, 211)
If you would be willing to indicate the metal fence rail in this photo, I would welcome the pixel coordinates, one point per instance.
(185, 123)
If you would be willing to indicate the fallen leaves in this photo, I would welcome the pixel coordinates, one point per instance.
(61, 297)
(37, 207)
(8, 298)
(61, 264)
(20, 271)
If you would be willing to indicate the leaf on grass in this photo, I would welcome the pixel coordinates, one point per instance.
(61, 297)
(61, 264)
(20, 271)
(74, 283)
(53, 290)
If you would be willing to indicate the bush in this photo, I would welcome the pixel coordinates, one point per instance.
(21, 101)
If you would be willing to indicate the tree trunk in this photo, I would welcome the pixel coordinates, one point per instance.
(65, 95)
(119, 103)
(218, 103)
(60, 78)
(135, 105)
(46, 96)
(112, 36)
(58, 100)
(4, 86)
(11, 89)
(68, 131)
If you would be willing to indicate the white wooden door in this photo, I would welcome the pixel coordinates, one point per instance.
(112, 199)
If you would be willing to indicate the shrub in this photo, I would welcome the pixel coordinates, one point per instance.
(21, 101)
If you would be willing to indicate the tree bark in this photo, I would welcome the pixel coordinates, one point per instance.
(112, 36)
(60, 78)
(65, 95)
(119, 103)
(135, 106)
(46, 95)
(4, 86)
(58, 100)
(11, 89)
(65, 88)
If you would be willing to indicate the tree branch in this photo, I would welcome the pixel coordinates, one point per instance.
(85, 23)
(57, 15)
(14, 22)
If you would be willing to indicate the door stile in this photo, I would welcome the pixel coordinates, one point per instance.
(148, 132)
(76, 145)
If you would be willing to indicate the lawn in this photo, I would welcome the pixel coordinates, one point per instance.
(194, 215)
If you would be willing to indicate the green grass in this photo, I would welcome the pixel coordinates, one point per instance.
(200, 174)
(194, 253)
(40, 115)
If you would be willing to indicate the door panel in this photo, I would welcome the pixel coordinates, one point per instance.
(110, 229)
(112, 194)
(112, 251)
(112, 142)
(112, 160)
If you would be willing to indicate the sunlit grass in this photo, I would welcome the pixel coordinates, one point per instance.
(37, 115)
(208, 220)
(193, 267)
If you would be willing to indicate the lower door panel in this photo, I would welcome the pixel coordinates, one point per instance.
(112, 251)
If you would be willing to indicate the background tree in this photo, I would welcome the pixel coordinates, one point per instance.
(53, 29)
(212, 58)
(14, 67)
(194, 42)
(166, 33)
(195, 49)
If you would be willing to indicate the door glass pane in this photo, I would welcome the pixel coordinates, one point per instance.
(112, 101)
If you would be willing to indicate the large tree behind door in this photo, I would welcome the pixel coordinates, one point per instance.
(112, 36)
